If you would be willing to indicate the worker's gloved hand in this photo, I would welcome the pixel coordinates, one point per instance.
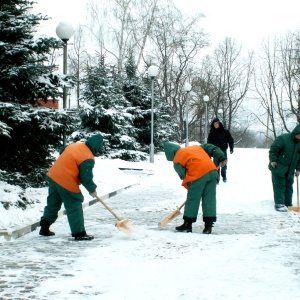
(274, 164)
(94, 194)
(222, 163)
(297, 173)
(231, 151)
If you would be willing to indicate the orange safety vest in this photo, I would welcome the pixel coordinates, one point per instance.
(196, 161)
(65, 170)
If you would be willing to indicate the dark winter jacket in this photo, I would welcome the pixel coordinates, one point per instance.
(220, 137)
(75, 165)
(193, 162)
(285, 150)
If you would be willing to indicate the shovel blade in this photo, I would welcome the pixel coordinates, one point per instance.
(125, 226)
(170, 217)
(294, 208)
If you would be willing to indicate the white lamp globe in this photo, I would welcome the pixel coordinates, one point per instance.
(153, 71)
(64, 30)
(205, 98)
(187, 87)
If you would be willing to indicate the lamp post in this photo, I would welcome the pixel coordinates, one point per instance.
(220, 113)
(152, 73)
(187, 88)
(64, 31)
(205, 99)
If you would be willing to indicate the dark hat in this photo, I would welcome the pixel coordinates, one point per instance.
(170, 150)
(95, 143)
(215, 120)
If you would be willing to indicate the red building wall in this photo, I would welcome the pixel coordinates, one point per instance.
(50, 103)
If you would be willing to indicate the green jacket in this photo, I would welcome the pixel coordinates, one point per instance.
(285, 150)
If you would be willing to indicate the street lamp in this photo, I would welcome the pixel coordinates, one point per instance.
(152, 73)
(205, 99)
(64, 31)
(187, 88)
(220, 113)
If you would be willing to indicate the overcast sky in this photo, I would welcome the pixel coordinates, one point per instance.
(246, 21)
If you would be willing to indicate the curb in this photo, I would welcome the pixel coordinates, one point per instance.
(19, 232)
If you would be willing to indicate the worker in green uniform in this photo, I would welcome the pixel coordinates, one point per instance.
(200, 176)
(73, 167)
(284, 164)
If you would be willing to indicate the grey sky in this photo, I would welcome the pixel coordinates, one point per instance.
(247, 21)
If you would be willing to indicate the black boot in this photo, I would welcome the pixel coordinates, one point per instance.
(186, 226)
(45, 225)
(208, 227)
(82, 236)
(46, 232)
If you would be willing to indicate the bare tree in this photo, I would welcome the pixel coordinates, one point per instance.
(225, 77)
(289, 50)
(233, 73)
(277, 85)
(176, 42)
(120, 27)
(78, 58)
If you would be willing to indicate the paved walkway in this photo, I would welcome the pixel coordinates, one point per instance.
(20, 231)
(30, 260)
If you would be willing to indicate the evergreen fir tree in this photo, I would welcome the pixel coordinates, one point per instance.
(23, 75)
(27, 134)
(120, 108)
(165, 126)
(105, 109)
(138, 93)
(130, 67)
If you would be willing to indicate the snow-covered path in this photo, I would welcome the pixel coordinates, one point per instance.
(253, 252)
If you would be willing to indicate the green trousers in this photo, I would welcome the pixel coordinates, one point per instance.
(205, 188)
(72, 203)
(283, 189)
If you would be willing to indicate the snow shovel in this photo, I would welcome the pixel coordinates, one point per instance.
(171, 216)
(296, 208)
(177, 212)
(124, 225)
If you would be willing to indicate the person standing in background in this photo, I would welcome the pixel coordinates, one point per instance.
(220, 137)
(284, 164)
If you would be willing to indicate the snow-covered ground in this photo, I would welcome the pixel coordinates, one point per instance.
(253, 252)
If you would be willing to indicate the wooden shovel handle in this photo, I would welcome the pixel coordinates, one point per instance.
(182, 205)
(172, 216)
(298, 191)
(107, 207)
